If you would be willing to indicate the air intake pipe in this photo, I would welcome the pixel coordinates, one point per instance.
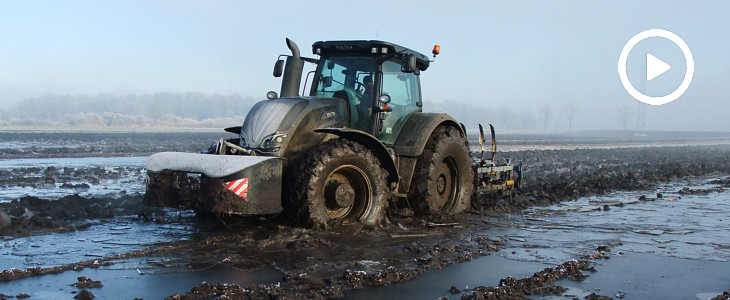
(292, 72)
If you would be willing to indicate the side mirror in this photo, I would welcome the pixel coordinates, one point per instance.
(409, 64)
(327, 81)
(279, 68)
(330, 65)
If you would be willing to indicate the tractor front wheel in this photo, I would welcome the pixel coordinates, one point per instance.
(341, 182)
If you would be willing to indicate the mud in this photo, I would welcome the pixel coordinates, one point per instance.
(537, 284)
(88, 283)
(724, 296)
(85, 295)
(19, 296)
(318, 264)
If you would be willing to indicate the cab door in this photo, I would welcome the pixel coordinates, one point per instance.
(405, 96)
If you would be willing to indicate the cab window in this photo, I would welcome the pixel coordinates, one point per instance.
(401, 87)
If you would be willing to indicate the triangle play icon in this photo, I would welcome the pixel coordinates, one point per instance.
(655, 67)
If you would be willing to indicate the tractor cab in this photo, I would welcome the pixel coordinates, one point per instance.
(378, 80)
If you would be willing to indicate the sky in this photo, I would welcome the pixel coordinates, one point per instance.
(516, 54)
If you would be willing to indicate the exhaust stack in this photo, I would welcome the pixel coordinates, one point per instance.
(292, 72)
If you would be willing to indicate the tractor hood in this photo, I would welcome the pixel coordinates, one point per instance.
(270, 119)
(285, 126)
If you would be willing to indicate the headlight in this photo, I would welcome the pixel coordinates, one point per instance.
(273, 140)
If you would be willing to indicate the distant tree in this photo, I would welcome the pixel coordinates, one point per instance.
(546, 112)
(623, 115)
(569, 112)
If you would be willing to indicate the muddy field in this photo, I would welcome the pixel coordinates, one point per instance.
(612, 214)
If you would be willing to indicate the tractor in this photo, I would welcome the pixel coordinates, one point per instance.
(357, 144)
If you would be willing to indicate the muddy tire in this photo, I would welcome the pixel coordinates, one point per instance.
(339, 182)
(443, 179)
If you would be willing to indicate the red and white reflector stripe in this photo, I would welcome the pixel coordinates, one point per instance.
(238, 187)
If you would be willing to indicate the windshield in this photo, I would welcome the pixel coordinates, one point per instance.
(349, 78)
(340, 73)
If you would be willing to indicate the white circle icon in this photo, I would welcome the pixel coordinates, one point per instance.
(655, 66)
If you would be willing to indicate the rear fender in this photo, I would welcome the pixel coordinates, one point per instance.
(412, 140)
(369, 141)
(418, 128)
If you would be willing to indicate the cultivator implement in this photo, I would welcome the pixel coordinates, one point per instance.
(490, 176)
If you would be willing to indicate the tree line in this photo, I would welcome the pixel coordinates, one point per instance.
(191, 109)
(194, 109)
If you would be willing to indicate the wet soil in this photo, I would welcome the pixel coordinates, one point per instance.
(318, 264)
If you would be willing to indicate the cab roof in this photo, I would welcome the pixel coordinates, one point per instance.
(371, 47)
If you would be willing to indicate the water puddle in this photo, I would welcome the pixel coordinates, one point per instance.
(122, 283)
(651, 276)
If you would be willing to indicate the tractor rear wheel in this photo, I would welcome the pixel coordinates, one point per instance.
(341, 182)
(443, 179)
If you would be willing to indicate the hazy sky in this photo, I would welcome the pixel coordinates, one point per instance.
(521, 54)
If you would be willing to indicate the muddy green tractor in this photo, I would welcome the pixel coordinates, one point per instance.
(357, 144)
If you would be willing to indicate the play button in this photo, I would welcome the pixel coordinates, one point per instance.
(655, 67)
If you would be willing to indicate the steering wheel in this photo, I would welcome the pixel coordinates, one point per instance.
(337, 81)
(359, 88)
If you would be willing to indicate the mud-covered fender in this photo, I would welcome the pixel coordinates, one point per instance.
(371, 143)
(418, 128)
